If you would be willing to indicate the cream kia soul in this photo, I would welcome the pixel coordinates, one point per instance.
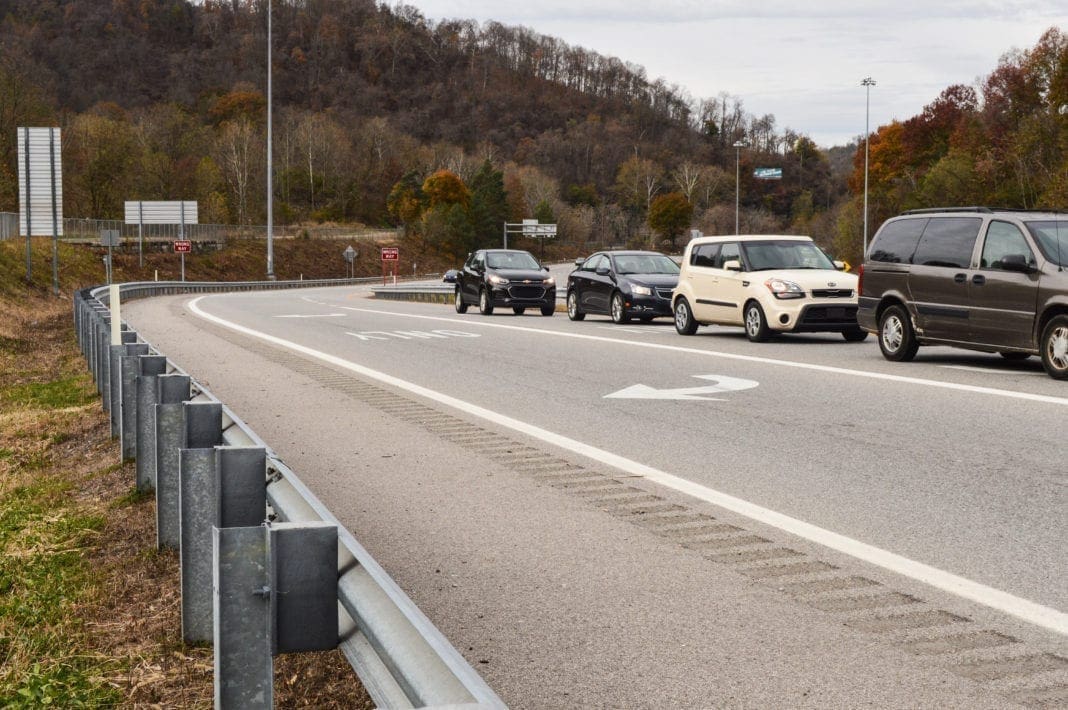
(767, 284)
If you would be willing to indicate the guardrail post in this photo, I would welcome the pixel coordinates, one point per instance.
(184, 425)
(222, 487)
(148, 396)
(101, 344)
(115, 353)
(275, 592)
(241, 606)
(129, 370)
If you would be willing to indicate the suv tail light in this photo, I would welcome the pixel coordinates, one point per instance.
(860, 280)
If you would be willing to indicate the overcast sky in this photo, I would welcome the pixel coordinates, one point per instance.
(801, 62)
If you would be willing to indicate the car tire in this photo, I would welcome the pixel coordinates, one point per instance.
(573, 311)
(1014, 355)
(548, 310)
(897, 340)
(855, 336)
(684, 321)
(485, 305)
(618, 309)
(519, 310)
(461, 307)
(756, 324)
(1054, 345)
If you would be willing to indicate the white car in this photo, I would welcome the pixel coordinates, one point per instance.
(767, 284)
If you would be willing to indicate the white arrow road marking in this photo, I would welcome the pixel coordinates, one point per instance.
(723, 384)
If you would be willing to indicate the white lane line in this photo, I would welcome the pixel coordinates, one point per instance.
(1027, 610)
(992, 370)
(315, 315)
(974, 389)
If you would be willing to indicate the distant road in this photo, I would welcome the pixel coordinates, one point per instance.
(603, 515)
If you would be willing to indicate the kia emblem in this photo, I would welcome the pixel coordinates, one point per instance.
(832, 284)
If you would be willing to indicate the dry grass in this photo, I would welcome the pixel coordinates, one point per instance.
(89, 610)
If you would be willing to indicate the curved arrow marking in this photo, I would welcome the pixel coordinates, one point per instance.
(723, 384)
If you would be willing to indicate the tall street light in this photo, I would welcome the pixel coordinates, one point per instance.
(867, 83)
(270, 161)
(738, 145)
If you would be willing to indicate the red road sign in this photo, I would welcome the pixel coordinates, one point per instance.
(183, 246)
(390, 254)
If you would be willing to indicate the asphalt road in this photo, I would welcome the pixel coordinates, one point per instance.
(886, 535)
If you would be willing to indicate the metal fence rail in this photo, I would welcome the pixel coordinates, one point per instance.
(400, 656)
(87, 229)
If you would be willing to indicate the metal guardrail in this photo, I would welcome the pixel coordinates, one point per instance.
(402, 659)
(436, 293)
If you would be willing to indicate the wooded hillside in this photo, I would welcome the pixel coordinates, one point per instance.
(165, 99)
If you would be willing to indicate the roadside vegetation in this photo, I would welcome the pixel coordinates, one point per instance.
(89, 609)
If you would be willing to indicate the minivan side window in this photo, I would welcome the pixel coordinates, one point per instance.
(948, 241)
(704, 255)
(896, 241)
(1004, 239)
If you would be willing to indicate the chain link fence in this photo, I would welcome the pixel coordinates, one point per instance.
(81, 229)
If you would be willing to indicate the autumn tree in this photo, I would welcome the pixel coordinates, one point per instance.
(670, 216)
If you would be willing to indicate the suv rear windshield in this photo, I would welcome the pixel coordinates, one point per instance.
(948, 241)
(1052, 238)
(896, 241)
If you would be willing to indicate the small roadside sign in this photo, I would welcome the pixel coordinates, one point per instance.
(183, 246)
(109, 238)
(390, 254)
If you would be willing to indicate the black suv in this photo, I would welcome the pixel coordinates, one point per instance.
(984, 279)
(508, 278)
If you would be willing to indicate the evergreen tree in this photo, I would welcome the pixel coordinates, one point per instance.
(489, 206)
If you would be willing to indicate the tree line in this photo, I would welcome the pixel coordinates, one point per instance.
(165, 99)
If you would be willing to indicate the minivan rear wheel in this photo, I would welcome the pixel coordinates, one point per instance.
(897, 340)
(1055, 348)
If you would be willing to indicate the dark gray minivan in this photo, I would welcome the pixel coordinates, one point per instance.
(979, 278)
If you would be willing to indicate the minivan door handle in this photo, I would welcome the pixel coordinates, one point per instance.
(978, 279)
(960, 278)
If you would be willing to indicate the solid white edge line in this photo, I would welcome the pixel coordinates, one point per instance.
(1032, 612)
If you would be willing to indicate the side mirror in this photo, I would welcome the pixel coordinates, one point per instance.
(450, 276)
(603, 271)
(733, 265)
(1015, 262)
(840, 265)
(544, 267)
(579, 261)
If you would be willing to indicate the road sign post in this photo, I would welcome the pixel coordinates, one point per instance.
(183, 247)
(350, 255)
(109, 238)
(391, 256)
(530, 228)
(41, 192)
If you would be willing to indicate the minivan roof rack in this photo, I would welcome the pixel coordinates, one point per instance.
(930, 210)
(982, 210)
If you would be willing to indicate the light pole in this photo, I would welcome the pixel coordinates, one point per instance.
(270, 161)
(738, 145)
(867, 83)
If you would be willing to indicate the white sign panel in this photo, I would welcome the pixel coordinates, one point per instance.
(40, 180)
(156, 212)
